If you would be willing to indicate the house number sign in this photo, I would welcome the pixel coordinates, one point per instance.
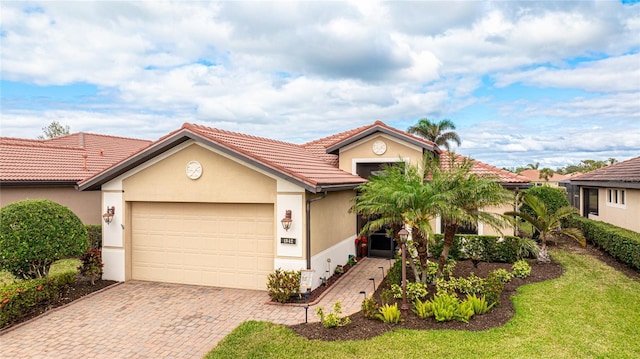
(285, 240)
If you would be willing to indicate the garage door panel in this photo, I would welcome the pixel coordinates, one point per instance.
(227, 245)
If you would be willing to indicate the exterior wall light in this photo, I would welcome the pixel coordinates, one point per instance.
(286, 221)
(108, 215)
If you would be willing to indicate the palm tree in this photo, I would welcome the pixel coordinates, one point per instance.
(400, 194)
(546, 173)
(435, 132)
(468, 195)
(532, 166)
(547, 223)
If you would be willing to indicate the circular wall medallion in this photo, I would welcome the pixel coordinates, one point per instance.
(379, 147)
(194, 170)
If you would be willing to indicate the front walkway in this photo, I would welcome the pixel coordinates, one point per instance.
(158, 320)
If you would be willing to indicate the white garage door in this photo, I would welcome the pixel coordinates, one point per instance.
(224, 245)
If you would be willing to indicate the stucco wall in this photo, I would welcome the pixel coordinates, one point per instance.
(627, 217)
(362, 152)
(86, 205)
(487, 230)
(331, 221)
(222, 181)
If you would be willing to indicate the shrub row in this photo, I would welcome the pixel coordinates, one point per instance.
(507, 249)
(18, 298)
(620, 243)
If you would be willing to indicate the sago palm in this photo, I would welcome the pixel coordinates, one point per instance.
(547, 223)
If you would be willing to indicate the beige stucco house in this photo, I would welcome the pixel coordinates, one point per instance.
(50, 169)
(612, 194)
(205, 206)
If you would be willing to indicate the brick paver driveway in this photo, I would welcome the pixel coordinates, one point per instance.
(142, 319)
(156, 320)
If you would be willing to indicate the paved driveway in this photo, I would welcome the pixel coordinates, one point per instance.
(157, 320)
(143, 319)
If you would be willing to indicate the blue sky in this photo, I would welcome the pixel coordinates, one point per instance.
(525, 82)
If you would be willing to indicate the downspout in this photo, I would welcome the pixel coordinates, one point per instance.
(308, 214)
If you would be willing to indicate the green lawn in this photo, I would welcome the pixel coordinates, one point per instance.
(61, 266)
(591, 311)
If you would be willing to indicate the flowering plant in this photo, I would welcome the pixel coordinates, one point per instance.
(362, 241)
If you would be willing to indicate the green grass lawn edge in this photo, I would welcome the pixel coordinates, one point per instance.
(591, 311)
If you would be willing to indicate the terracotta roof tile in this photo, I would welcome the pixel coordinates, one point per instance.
(291, 159)
(625, 171)
(534, 175)
(482, 168)
(69, 158)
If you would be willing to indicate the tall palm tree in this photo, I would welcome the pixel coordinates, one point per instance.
(547, 223)
(436, 132)
(401, 194)
(468, 195)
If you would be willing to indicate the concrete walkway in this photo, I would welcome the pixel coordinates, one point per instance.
(157, 320)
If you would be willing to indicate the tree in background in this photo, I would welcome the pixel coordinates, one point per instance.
(546, 173)
(436, 132)
(55, 129)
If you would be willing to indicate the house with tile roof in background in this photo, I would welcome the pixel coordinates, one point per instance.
(211, 207)
(536, 180)
(50, 169)
(611, 194)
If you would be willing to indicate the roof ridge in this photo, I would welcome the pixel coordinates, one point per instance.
(39, 144)
(97, 135)
(239, 134)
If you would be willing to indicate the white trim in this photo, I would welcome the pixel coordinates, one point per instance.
(339, 255)
(355, 161)
(620, 196)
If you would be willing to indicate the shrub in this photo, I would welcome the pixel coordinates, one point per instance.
(387, 296)
(507, 249)
(18, 298)
(282, 284)
(553, 198)
(502, 274)
(521, 269)
(94, 236)
(464, 312)
(415, 290)
(446, 286)
(444, 307)
(432, 271)
(493, 288)
(91, 266)
(370, 308)
(422, 309)
(620, 243)
(339, 270)
(36, 233)
(333, 319)
(389, 313)
(479, 305)
(448, 268)
(394, 275)
(470, 285)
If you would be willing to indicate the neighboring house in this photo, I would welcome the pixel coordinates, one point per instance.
(536, 180)
(50, 169)
(206, 206)
(611, 194)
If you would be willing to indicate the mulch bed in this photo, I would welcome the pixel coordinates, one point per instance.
(362, 328)
(74, 291)
(315, 294)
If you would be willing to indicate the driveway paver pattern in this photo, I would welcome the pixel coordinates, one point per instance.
(159, 320)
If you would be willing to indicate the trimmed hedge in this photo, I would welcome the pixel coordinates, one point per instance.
(18, 298)
(507, 249)
(620, 243)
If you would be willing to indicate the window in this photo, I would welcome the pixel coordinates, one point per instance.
(616, 197)
(590, 202)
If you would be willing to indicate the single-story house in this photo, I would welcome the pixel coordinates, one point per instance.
(611, 194)
(50, 169)
(536, 180)
(211, 207)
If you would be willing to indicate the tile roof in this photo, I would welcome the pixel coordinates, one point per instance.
(482, 168)
(70, 158)
(534, 175)
(625, 171)
(288, 158)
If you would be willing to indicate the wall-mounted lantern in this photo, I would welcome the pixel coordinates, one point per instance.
(108, 215)
(286, 221)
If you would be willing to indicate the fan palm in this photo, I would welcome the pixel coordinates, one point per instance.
(436, 132)
(547, 223)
